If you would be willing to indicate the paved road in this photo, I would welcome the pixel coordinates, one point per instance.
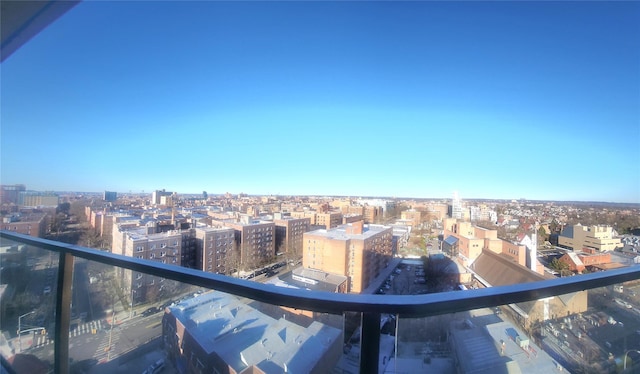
(84, 344)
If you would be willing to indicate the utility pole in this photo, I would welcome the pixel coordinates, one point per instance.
(113, 320)
(20, 328)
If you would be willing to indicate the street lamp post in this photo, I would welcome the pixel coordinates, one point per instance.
(20, 328)
(133, 292)
(625, 357)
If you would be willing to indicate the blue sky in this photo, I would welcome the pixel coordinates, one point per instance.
(539, 100)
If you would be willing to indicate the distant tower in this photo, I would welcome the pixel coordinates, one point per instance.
(456, 206)
(533, 251)
(110, 196)
(173, 210)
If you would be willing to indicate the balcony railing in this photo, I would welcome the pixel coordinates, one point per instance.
(371, 308)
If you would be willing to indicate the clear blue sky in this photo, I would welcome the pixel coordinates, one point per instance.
(539, 100)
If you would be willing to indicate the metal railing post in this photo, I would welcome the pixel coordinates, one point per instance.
(63, 313)
(370, 342)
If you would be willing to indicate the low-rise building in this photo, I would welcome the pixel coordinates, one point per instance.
(597, 238)
(217, 333)
(33, 224)
(492, 269)
(467, 241)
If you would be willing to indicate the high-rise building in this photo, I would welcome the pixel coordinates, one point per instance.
(9, 193)
(215, 249)
(157, 197)
(354, 250)
(164, 247)
(456, 206)
(255, 239)
(38, 199)
(110, 196)
(289, 234)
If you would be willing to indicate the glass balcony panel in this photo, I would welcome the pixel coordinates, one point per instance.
(28, 288)
(123, 324)
(421, 345)
(350, 359)
(117, 317)
(597, 330)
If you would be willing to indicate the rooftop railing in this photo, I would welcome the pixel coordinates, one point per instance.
(370, 307)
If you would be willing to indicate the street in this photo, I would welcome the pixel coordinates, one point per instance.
(85, 345)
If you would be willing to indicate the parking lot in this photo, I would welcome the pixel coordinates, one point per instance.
(407, 279)
(593, 339)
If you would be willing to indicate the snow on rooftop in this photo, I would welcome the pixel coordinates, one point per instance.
(243, 336)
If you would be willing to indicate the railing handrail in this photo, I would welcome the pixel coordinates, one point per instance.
(337, 303)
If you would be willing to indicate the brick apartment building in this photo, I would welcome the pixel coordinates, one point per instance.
(354, 250)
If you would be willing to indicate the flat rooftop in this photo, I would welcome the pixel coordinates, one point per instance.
(493, 348)
(243, 336)
(340, 232)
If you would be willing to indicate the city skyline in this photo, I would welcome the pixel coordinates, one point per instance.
(494, 100)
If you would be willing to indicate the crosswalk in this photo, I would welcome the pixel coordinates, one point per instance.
(103, 352)
(85, 328)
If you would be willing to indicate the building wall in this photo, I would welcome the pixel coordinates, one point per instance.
(517, 252)
(595, 259)
(480, 232)
(472, 240)
(164, 247)
(107, 225)
(372, 213)
(494, 245)
(306, 214)
(557, 309)
(325, 254)
(34, 224)
(329, 220)
(290, 233)
(350, 218)
(415, 216)
(599, 238)
(438, 211)
(359, 258)
(572, 265)
(215, 249)
(38, 199)
(470, 248)
(256, 242)
(9, 193)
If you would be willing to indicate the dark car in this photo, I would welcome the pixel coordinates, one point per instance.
(150, 311)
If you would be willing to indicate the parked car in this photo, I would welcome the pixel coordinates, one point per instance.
(149, 311)
(156, 367)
